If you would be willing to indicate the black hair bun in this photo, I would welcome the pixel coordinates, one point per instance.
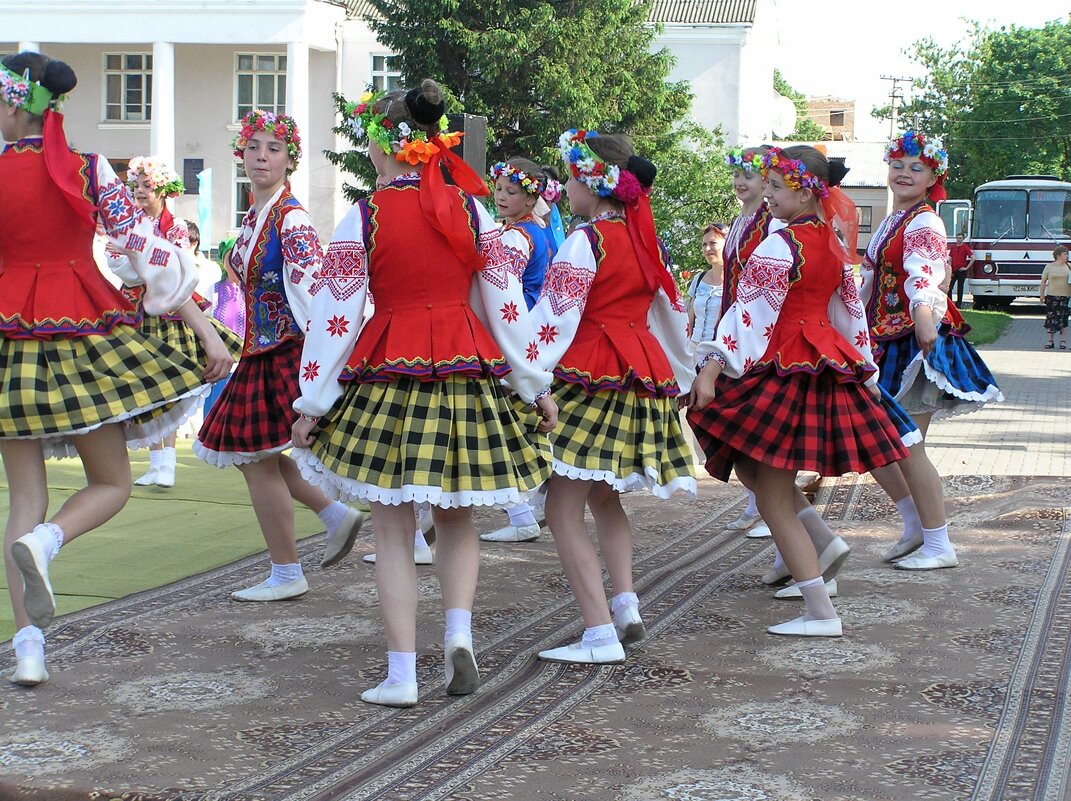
(59, 78)
(837, 171)
(644, 170)
(423, 110)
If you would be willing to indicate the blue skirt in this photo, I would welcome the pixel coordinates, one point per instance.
(953, 365)
(905, 426)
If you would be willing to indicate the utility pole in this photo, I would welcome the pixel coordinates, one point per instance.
(895, 95)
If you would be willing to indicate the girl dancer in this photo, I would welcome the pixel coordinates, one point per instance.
(276, 256)
(796, 342)
(411, 410)
(615, 331)
(152, 183)
(72, 361)
(918, 335)
(519, 186)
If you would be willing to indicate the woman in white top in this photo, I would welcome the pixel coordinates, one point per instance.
(705, 291)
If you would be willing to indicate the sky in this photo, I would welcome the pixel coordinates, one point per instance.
(843, 47)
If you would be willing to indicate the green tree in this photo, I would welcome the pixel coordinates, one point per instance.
(999, 100)
(806, 130)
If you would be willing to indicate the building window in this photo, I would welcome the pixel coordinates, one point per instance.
(127, 87)
(386, 73)
(260, 82)
(242, 188)
(836, 119)
(865, 215)
(190, 169)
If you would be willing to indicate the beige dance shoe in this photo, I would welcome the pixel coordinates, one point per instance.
(808, 628)
(32, 561)
(402, 695)
(340, 541)
(462, 675)
(279, 592)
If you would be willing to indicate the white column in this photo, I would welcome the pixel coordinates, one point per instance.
(33, 47)
(297, 106)
(162, 135)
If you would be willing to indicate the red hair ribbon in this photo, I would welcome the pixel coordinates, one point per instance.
(437, 201)
(641, 230)
(840, 209)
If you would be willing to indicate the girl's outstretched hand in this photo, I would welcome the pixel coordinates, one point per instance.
(548, 410)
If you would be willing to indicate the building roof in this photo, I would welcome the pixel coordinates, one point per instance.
(666, 12)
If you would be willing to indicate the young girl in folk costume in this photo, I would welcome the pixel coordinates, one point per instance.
(152, 183)
(76, 375)
(275, 257)
(614, 330)
(519, 188)
(918, 335)
(411, 410)
(806, 395)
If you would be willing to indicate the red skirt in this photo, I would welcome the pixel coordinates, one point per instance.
(796, 421)
(254, 414)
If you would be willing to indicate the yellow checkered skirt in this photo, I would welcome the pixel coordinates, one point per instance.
(181, 337)
(628, 441)
(53, 388)
(456, 442)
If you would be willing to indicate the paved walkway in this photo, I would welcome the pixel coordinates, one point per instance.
(1027, 435)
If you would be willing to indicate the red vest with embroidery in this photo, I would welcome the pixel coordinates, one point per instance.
(756, 230)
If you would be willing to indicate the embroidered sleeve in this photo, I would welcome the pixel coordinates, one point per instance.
(744, 331)
(498, 300)
(302, 258)
(168, 272)
(179, 235)
(847, 315)
(925, 262)
(668, 322)
(337, 294)
(565, 293)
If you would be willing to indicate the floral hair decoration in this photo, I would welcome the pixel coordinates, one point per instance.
(930, 151)
(553, 191)
(281, 126)
(529, 183)
(19, 91)
(795, 172)
(405, 141)
(746, 160)
(584, 165)
(163, 180)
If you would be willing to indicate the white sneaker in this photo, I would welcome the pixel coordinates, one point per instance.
(147, 480)
(512, 533)
(421, 556)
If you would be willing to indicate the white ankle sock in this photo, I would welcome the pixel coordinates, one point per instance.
(280, 574)
(50, 536)
(816, 597)
(521, 515)
(29, 641)
(935, 541)
(910, 515)
(418, 540)
(821, 534)
(401, 667)
(778, 562)
(752, 507)
(331, 516)
(623, 599)
(156, 458)
(167, 456)
(458, 621)
(598, 636)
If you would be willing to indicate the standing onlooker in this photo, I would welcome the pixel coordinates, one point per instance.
(961, 257)
(1054, 292)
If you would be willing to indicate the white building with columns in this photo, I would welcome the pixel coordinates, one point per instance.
(171, 78)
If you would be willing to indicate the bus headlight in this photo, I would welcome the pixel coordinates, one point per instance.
(988, 268)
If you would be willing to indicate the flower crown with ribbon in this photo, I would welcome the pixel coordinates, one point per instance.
(404, 140)
(605, 180)
(794, 171)
(163, 180)
(930, 151)
(529, 183)
(281, 126)
(746, 160)
(19, 91)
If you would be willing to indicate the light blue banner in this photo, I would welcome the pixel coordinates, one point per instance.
(204, 209)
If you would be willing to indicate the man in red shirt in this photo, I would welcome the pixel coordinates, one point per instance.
(961, 258)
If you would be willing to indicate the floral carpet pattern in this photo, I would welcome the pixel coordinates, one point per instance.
(946, 685)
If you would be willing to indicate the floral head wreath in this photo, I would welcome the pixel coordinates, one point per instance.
(930, 151)
(553, 191)
(163, 180)
(605, 180)
(529, 183)
(795, 172)
(404, 140)
(746, 160)
(281, 126)
(19, 91)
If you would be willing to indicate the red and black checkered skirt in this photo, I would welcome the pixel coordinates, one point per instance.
(796, 421)
(253, 417)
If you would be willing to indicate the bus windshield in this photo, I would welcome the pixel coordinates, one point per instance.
(1000, 214)
(1050, 213)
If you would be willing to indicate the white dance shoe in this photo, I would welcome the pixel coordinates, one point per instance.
(808, 628)
(29, 671)
(629, 625)
(421, 556)
(920, 562)
(792, 591)
(580, 654)
(462, 675)
(759, 532)
(340, 541)
(512, 533)
(902, 549)
(744, 521)
(278, 592)
(32, 561)
(392, 694)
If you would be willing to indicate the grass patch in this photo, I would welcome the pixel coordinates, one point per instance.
(986, 326)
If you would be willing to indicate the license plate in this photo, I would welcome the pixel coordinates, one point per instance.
(1025, 287)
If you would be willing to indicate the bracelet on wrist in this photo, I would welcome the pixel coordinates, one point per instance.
(310, 418)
